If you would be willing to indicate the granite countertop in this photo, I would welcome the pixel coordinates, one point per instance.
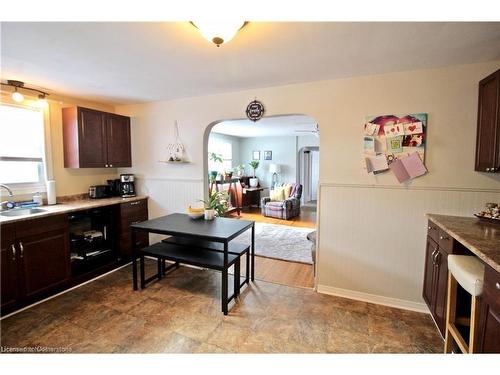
(481, 237)
(70, 206)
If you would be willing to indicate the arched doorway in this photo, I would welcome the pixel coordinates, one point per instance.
(274, 142)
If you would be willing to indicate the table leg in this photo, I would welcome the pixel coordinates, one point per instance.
(224, 281)
(237, 277)
(253, 252)
(143, 273)
(247, 271)
(134, 260)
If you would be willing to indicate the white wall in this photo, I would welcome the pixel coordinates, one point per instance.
(284, 154)
(307, 140)
(365, 228)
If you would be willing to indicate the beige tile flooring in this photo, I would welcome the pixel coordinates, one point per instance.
(182, 313)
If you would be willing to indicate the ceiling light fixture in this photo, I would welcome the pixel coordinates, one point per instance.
(218, 32)
(18, 97)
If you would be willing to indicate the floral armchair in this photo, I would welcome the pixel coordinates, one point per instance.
(286, 209)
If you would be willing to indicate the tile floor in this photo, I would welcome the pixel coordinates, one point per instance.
(182, 314)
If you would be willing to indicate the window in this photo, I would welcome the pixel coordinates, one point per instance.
(223, 148)
(22, 146)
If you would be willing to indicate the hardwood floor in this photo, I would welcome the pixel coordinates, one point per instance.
(283, 271)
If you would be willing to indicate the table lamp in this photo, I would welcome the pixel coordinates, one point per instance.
(275, 169)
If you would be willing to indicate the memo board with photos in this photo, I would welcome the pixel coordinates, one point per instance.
(396, 143)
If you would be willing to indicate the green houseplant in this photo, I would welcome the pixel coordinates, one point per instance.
(254, 182)
(217, 201)
(217, 158)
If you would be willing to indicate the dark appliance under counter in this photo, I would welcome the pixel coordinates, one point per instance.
(92, 240)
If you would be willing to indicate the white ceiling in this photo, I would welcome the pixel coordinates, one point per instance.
(137, 62)
(267, 126)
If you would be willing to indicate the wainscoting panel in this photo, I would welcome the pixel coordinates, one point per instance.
(372, 239)
(167, 196)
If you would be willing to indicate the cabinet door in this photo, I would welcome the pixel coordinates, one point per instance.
(45, 261)
(131, 213)
(441, 288)
(428, 288)
(92, 138)
(118, 141)
(490, 340)
(9, 268)
(487, 123)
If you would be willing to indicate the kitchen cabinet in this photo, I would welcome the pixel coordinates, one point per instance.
(95, 139)
(132, 213)
(489, 319)
(488, 125)
(35, 259)
(435, 279)
(8, 262)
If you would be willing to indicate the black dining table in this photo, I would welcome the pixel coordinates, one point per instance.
(219, 230)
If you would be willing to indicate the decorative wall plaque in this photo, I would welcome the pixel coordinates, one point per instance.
(255, 110)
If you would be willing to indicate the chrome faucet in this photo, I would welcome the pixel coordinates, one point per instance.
(4, 203)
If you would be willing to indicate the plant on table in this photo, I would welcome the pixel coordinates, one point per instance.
(217, 158)
(254, 164)
(218, 201)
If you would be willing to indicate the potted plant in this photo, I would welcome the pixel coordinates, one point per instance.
(228, 174)
(217, 158)
(215, 204)
(240, 169)
(254, 182)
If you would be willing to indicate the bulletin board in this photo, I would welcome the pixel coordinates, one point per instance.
(395, 143)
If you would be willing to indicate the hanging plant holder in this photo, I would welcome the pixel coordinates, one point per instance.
(176, 150)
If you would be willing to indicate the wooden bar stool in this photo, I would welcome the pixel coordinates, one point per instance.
(467, 271)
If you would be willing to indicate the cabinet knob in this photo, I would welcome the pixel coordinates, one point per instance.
(446, 238)
(429, 227)
(111, 165)
(497, 285)
(487, 169)
(107, 166)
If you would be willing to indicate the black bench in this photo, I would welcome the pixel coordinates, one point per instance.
(182, 250)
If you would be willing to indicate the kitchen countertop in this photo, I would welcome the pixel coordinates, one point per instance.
(70, 206)
(481, 237)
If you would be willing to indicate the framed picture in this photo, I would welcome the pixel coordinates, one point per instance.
(256, 155)
(268, 155)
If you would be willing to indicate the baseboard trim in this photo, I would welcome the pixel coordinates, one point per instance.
(373, 298)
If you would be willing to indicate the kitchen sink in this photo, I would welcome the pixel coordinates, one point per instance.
(21, 211)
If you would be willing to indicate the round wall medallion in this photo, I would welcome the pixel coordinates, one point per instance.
(255, 110)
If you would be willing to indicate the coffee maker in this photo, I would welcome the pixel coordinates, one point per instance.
(127, 187)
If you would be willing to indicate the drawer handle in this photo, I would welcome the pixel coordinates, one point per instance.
(446, 238)
(135, 222)
(21, 247)
(135, 203)
(497, 285)
(13, 247)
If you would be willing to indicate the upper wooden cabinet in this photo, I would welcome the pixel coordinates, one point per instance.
(95, 139)
(488, 125)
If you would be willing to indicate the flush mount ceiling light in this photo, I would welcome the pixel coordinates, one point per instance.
(218, 32)
(18, 97)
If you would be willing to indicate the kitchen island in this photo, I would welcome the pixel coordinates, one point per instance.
(466, 236)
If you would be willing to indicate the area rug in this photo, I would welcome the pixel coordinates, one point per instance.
(280, 242)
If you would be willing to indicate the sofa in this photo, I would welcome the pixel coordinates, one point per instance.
(283, 209)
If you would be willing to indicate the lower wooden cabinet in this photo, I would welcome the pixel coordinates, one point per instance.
(10, 273)
(131, 213)
(435, 282)
(489, 321)
(35, 259)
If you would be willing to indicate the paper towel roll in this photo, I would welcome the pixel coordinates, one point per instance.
(51, 192)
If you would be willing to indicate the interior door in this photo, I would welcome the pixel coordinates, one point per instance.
(45, 259)
(92, 138)
(9, 267)
(118, 141)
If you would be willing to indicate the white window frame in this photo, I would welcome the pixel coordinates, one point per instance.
(48, 174)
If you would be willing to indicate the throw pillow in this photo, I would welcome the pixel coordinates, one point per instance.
(287, 189)
(277, 195)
